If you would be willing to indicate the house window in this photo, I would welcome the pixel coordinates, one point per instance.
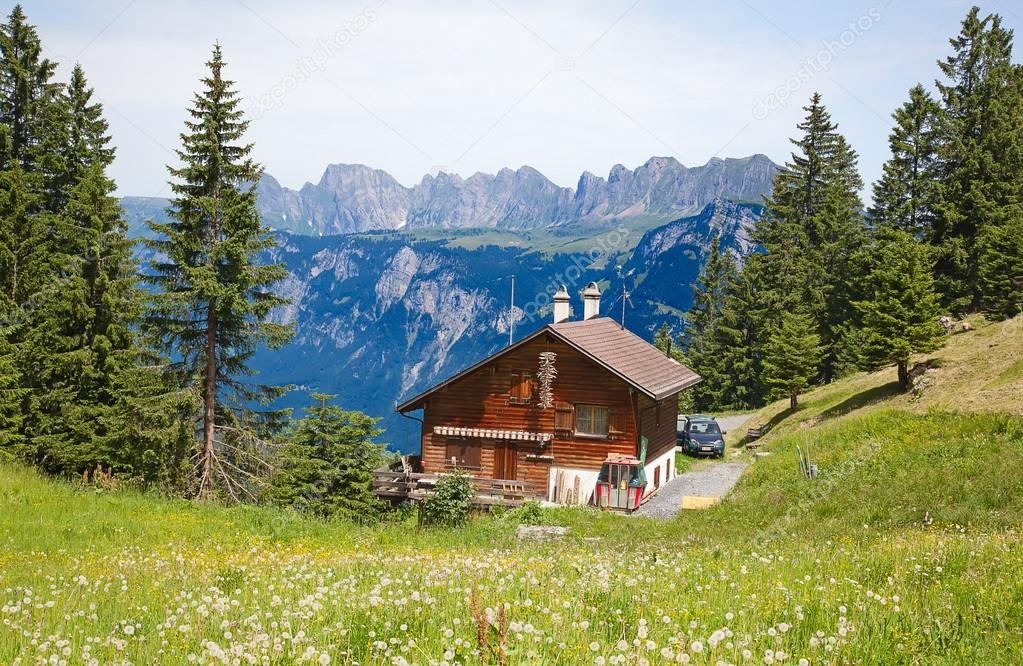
(657, 477)
(462, 453)
(521, 390)
(591, 420)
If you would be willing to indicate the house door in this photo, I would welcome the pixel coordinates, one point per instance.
(505, 459)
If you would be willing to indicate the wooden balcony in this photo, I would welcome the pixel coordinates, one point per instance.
(401, 485)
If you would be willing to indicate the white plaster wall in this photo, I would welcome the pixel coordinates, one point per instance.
(587, 482)
(651, 465)
(588, 478)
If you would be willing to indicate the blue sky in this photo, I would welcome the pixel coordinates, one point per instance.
(417, 87)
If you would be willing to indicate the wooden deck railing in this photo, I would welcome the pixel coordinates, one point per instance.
(397, 485)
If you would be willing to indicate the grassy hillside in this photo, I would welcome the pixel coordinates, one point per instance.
(976, 371)
(906, 549)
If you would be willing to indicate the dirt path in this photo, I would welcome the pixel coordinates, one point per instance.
(730, 423)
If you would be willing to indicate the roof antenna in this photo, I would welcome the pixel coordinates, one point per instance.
(511, 314)
(625, 299)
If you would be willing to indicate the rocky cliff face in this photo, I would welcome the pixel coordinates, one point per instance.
(668, 259)
(354, 198)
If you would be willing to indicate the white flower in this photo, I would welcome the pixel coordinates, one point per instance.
(696, 646)
(129, 629)
(324, 659)
(594, 646)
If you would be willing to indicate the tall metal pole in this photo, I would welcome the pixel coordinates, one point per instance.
(511, 314)
(625, 296)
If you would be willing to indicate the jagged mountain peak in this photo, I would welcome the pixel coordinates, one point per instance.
(355, 197)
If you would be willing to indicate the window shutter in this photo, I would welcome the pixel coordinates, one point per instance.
(615, 422)
(564, 417)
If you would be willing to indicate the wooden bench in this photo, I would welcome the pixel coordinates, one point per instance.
(755, 433)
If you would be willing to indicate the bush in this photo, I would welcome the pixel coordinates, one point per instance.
(449, 504)
(529, 513)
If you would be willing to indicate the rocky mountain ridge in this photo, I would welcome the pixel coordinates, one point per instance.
(352, 198)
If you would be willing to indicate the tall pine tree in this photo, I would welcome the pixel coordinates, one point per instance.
(791, 357)
(973, 183)
(213, 299)
(727, 355)
(904, 197)
(82, 337)
(899, 313)
(811, 233)
(717, 273)
(30, 129)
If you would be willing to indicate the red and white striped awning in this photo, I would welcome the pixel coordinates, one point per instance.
(519, 435)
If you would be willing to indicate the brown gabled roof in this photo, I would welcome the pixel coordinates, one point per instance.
(627, 355)
(604, 341)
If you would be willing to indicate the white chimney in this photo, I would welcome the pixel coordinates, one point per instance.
(591, 301)
(561, 307)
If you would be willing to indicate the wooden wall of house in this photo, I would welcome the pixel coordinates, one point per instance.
(481, 400)
(659, 423)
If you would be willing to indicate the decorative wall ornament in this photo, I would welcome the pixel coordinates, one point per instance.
(546, 375)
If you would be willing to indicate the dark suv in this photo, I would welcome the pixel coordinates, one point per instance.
(701, 436)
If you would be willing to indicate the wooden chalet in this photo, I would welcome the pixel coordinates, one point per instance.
(521, 435)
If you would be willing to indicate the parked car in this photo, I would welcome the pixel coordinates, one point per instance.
(700, 435)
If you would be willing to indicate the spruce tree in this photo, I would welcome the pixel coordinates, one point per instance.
(673, 349)
(904, 197)
(727, 355)
(31, 125)
(709, 290)
(900, 313)
(1000, 246)
(31, 130)
(1001, 267)
(213, 298)
(326, 463)
(811, 233)
(82, 336)
(973, 183)
(791, 357)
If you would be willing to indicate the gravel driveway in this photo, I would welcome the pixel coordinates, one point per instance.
(707, 480)
(730, 423)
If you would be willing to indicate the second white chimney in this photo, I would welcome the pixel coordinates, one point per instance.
(561, 306)
(591, 301)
